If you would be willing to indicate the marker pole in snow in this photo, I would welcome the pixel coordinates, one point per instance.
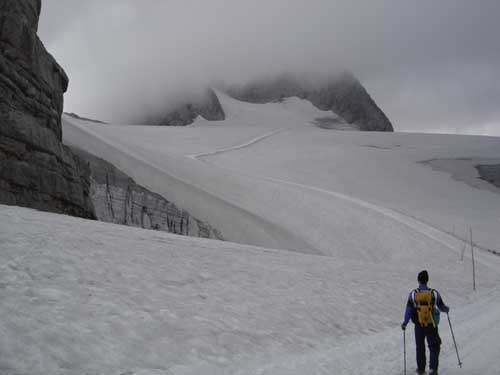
(454, 341)
(404, 345)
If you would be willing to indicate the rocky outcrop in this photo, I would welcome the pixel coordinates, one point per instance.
(118, 199)
(36, 170)
(206, 105)
(343, 95)
(77, 117)
(490, 173)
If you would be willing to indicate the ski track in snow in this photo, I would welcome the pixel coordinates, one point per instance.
(429, 231)
(277, 230)
(240, 146)
(476, 329)
(432, 233)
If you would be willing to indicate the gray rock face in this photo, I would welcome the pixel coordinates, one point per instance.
(36, 170)
(344, 95)
(75, 116)
(206, 106)
(118, 199)
(490, 173)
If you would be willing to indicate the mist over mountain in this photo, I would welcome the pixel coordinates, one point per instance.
(431, 66)
(184, 111)
(340, 93)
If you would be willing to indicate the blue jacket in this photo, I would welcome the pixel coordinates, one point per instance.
(438, 301)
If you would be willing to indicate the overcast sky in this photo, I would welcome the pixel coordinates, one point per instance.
(430, 65)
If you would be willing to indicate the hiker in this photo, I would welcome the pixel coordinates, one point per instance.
(423, 308)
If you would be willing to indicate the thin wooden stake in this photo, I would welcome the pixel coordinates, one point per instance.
(473, 262)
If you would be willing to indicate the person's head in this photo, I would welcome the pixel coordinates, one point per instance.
(423, 278)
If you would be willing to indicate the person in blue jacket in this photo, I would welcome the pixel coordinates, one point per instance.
(428, 329)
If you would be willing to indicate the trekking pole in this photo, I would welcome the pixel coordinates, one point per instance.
(404, 345)
(454, 341)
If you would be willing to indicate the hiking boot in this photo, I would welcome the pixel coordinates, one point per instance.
(433, 372)
(420, 372)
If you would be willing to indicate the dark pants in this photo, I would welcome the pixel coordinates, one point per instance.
(434, 342)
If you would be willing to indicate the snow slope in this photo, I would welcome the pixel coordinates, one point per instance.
(83, 297)
(363, 212)
(267, 176)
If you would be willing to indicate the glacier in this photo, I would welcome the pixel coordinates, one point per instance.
(327, 231)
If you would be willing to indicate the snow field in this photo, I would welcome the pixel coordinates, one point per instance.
(82, 297)
(360, 211)
(264, 158)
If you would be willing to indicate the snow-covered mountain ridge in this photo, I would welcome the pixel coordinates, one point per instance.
(239, 174)
(363, 213)
(342, 95)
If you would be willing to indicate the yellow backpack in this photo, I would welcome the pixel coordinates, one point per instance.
(425, 307)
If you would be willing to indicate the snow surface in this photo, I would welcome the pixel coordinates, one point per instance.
(83, 297)
(267, 176)
(360, 211)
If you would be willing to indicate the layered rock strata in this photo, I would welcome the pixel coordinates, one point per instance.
(118, 199)
(36, 170)
(344, 95)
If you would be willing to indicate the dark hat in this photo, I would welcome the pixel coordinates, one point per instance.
(423, 277)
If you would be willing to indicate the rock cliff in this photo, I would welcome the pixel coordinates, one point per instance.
(36, 170)
(206, 105)
(490, 173)
(118, 199)
(343, 95)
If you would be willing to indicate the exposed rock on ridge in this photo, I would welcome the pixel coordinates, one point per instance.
(36, 170)
(118, 199)
(490, 173)
(77, 117)
(206, 106)
(343, 95)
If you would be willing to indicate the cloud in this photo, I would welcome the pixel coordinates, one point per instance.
(458, 97)
(428, 64)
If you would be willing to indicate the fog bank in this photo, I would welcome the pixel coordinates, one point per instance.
(429, 65)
